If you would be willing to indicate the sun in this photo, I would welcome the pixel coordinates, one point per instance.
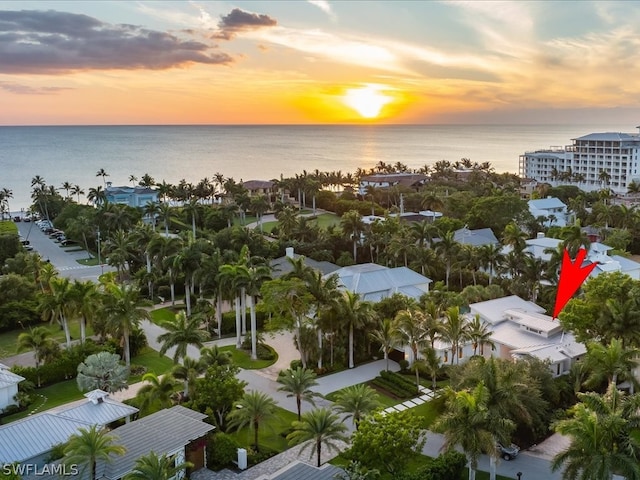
(367, 101)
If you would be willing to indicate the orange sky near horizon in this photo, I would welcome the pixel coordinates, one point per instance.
(261, 62)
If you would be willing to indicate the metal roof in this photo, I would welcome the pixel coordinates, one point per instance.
(281, 266)
(101, 413)
(298, 470)
(375, 282)
(32, 436)
(610, 137)
(8, 378)
(493, 311)
(163, 432)
(476, 238)
(546, 203)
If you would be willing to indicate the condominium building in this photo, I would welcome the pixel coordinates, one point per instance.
(592, 162)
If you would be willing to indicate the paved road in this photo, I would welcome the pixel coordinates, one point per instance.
(64, 261)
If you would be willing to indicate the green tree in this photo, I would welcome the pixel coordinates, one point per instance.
(387, 442)
(352, 227)
(157, 393)
(188, 372)
(321, 426)
(38, 339)
(385, 336)
(180, 334)
(479, 334)
(88, 446)
(357, 401)
(611, 362)
(454, 331)
(355, 313)
(297, 383)
(102, 371)
(603, 441)
(468, 423)
(154, 467)
(218, 391)
(253, 409)
(123, 313)
(57, 304)
(409, 327)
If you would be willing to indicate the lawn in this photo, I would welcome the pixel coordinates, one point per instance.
(243, 359)
(429, 410)
(385, 401)
(90, 262)
(271, 433)
(8, 227)
(9, 340)
(166, 314)
(153, 361)
(325, 220)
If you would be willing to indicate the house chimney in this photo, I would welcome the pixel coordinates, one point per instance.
(289, 252)
(540, 235)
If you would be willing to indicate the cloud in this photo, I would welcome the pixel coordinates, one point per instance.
(44, 42)
(324, 6)
(28, 90)
(240, 21)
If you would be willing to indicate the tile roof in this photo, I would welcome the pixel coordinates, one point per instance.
(162, 432)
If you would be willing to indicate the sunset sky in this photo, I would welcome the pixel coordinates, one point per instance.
(205, 62)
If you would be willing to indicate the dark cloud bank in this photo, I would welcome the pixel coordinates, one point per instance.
(53, 42)
(239, 21)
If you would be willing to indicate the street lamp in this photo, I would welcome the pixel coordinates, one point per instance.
(519, 474)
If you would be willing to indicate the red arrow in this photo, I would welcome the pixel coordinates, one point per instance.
(572, 275)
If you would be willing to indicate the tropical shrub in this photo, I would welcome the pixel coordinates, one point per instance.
(222, 450)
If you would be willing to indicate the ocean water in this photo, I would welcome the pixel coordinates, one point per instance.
(171, 153)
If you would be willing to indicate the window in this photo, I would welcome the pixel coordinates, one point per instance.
(446, 356)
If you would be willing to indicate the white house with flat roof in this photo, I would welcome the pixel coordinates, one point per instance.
(521, 329)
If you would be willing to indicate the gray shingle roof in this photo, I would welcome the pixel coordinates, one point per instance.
(162, 432)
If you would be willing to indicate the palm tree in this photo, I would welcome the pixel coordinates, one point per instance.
(37, 339)
(611, 362)
(254, 279)
(214, 356)
(468, 423)
(514, 237)
(180, 334)
(188, 372)
(454, 331)
(355, 313)
(252, 409)
(102, 173)
(325, 292)
(86, 302)
(57, 304)
(357, 401)
(386, 337)
(158, 392)
(187, 261)
(491, 256)
(89, 446)
(409, 327)
(122, 312)
(352, 227)
(154, 467)
(479, 334)
(448, 248)
(229, 279)
(603, 443)
(320, 425)
(77, 191)
(297, 383)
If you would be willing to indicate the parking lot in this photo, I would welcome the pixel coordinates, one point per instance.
(64, 260)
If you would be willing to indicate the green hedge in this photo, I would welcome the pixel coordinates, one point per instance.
(399, 392)
(447, 466)
(398, 380)
(229, 321)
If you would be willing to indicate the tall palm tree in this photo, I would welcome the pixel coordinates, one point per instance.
(57, 304)
(86, 301)
(158, 392)
(355, 313)
(409, 327)
(229, 279)
(102, 173)
(180, 334)
(89, 446)
(154, 467)
(325, 292)
(123, 313)
(448, 248)
(491, 256)
(357, 401)
(611, 362)
(37, 339)
(255, 277)
(454, 331)
(479, 334)
(253, 409)
(352, 227)
(297, 383)
(187, 261)
(320, 425)
(602, 432)
(77, 191)
(385, 335)
(467, 422)
(188, 372)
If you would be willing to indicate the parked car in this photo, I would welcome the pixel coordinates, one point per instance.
(509, 452)
(17, 219)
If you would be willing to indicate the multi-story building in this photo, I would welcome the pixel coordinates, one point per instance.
(592, 162)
